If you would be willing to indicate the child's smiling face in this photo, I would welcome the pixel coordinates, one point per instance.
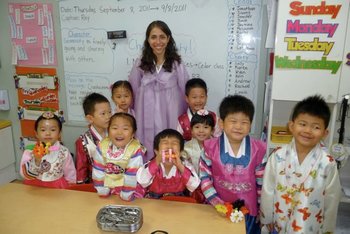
(48, 131)
(120, 131)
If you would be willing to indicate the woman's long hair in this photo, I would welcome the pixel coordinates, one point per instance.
(148, 57)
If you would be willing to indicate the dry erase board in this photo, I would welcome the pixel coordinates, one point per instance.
(219, 41)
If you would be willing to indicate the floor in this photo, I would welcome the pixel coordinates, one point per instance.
(343, 219)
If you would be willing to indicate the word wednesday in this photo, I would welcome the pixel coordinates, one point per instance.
(315, 45)
(298, 63)
(319, 27)
(297, 8)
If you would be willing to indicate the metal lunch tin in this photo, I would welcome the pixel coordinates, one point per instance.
(118, 218)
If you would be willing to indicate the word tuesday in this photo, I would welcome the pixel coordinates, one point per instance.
(315, 45)
(297, 8)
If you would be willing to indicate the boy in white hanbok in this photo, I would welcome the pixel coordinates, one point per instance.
(301, 187)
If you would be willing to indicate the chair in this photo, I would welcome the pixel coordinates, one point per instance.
(179, 199)
(82, 187)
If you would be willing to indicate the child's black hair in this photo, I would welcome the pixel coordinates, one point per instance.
(234, 104)
(91, 100)
(47, 117)
(123, 84)
(126, 116)
(313, 105)
(168, 133)
(195, 83)
(203, 119)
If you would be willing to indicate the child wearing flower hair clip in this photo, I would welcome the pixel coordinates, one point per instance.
(48, 163)
(202, 127)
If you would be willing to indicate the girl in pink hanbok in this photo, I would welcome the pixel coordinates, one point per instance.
(48, 163)
(168, 174)
(158, 80)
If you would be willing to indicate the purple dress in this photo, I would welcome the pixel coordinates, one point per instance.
(159, 100)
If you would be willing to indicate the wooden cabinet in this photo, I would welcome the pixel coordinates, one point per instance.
(7, 155)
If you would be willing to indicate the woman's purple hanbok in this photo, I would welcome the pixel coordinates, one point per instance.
(159, 101)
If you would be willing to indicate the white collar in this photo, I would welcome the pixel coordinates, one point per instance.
(95, 132)
(158, 67)
(228, 148)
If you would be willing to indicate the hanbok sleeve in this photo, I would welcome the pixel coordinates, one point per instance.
(332, 198)
(28, 169)
(190, 177)
(81, 161)
(267, 192)
(98, 174)
(129, 192)
(179, 128)
(205, 173)
(260, 167)
(69, 171)
(135, 77)
(183, 77)
(146, 173)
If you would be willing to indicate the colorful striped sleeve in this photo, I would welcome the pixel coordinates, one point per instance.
(259, 169)
(29, 170)
(128, 192)
(205, 172)
(98, 173)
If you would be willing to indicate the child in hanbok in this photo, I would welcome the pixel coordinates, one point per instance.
(202, 127)
(168, 174)
(196, 92)
(123, 96)
(301, 187)
(97, 110)
(232, 166)
(117, 159)
(48, 163)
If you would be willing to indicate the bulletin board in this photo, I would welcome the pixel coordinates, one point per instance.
(219, 41)
(32, 34)
(37, 90)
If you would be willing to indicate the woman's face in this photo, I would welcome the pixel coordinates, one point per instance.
(158, 41)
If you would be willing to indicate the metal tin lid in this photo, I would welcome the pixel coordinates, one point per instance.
(120, 218)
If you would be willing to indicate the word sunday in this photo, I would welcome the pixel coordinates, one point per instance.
(298, 63)
(319, 27)
(297, 8)
(315, 45)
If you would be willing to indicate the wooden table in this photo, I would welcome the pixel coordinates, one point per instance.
(28, 209)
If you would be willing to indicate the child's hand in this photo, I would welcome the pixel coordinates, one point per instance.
(270, 227)
(177, 162)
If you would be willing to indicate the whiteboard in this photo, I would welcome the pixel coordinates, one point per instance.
(218, 40)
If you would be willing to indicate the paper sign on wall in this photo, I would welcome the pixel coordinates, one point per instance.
(32, 34)
(4, 100)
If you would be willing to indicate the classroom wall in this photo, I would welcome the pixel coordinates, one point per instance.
(69, 133)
